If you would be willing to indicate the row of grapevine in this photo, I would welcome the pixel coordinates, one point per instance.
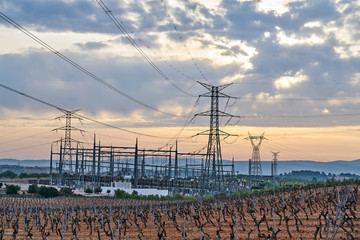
(320, 213)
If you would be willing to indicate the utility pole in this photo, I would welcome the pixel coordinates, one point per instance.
(212, 178)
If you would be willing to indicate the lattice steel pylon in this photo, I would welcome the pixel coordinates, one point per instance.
(66, 150)
(255, 162)
(212, 178)
(274, 164)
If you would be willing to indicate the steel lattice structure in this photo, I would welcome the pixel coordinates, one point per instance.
(212, 176)
(179, 172)
(255, 161)
(66, 155)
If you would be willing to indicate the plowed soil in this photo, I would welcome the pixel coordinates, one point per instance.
(224, 218)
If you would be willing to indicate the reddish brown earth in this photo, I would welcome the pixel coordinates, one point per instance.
(53, 214)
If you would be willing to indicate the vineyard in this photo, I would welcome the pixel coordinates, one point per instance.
(313, 213)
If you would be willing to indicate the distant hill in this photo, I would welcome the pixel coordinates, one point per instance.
(242, 167)
(336, 167)
(27, 163)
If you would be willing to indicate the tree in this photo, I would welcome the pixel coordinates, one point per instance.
(33, 188)
(23, 175)
(66, 191)
(98, 190)
(8, 174)
(48, 192)
(134, 195)
(88, 190)
(108, 191)
(121, 194)
(1, 184)
(12, 189)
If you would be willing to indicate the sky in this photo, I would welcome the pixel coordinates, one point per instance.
(293, 67)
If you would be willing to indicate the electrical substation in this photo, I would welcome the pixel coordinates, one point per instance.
(178, 172)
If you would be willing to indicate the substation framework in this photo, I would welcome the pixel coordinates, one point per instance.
(178, 172)
(102, 165)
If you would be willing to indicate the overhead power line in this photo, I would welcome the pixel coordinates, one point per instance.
(19, 139)
(93, 76)
(177, 135)
(296, 152)
(304, 116)
(147, 45)
(23, 148)
(112, 126)
(78, 115)
(122, 29)
(278, 99)
(312, 83)
(181, 39)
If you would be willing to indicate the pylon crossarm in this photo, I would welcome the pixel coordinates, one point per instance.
(220, 95)
(206, 113)
(222, 87)
(227, 134)
(205, 85)
(70, 128)
(206, 132)
(209, 87)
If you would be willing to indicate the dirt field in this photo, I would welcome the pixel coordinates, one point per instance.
(299, 214)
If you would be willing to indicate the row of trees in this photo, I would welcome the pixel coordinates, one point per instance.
(43, 191)
(315, 175)
(121, 194)
(96, 190)
(12, 175)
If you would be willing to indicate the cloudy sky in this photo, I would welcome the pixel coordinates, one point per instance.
(293, 65)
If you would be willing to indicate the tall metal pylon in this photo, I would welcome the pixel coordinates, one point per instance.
(212, 178)
(66, 150)
(274, 164)
(255, 161)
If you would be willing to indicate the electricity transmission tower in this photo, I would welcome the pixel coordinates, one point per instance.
(274, 164)
(212, 178)
(65, 162)
(255, 162)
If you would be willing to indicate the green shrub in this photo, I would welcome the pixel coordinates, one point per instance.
(121, 194)
(66, 191)
(98, 190)
(151, 197)
(23, 175)
(8, 174)
(12, 189)
(134, 195)
(48, 192)
(88, 190)
(33, 188)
